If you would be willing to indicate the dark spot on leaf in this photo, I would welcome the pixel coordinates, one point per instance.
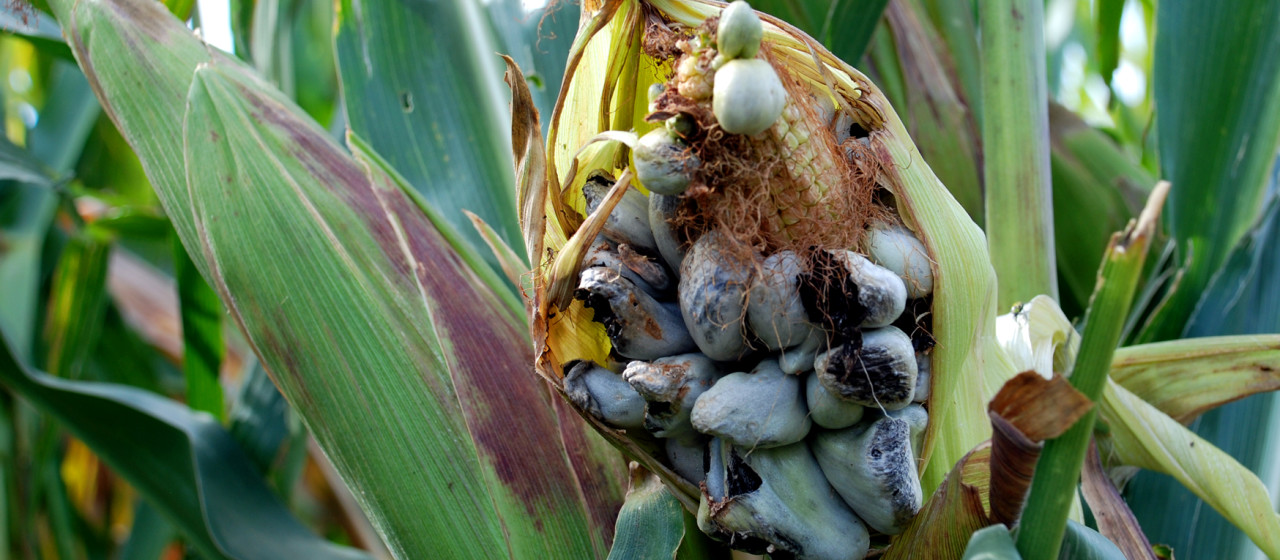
(406, 101)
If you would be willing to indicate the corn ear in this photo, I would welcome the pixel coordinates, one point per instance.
(964, 308)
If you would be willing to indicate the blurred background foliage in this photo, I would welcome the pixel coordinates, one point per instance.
(95, 289)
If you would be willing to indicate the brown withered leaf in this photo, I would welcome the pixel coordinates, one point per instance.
(1028, 410)
(531, 162)
(1040, 408)
(1115, 521)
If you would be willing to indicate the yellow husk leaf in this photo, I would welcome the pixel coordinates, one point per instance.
(1142, 436)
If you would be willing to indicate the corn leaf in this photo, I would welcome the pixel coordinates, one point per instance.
(513, 265)
(201, 336)
(538, 40)
(77, 302)
(1093, 178)
(184, 462)
(1106, 21)
(1083, 543)
(257, 419)
(651, 522)
(936, 114)
(1184, 378)
(1241, 299)
(150, 534)
(432, 350)
(291, 44)
(16, 164)
(435, 116)
(70, 110)
(1079, 543)
(367, 319)
(1217, 128)
(26, 212)
(991, 543)
(956, 24)
(1142, 436)
(843, 26)
(1112, 515)
(1015, 147)
(847, 27)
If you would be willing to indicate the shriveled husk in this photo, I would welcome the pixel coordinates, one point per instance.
(605, 89)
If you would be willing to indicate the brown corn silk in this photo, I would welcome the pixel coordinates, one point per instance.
(605, 88)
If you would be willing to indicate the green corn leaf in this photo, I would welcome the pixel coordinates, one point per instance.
(1241, 299)
(380, 329)
(291, 45)
(1083, 543)
(651, 523)
(258, 418)
(203, 348)
(807, 15)
(1078, 543)
(1015, 145)
(1184, 378)
(150, 534)
(16, 164)
(991, 543)
(53, 494)
(539, 41)
(843, 26)
(1106, 21)
(241, 12)
(934, 110)
(77, 302)
(184, 462)
(434, 116)
(122, 356)
(955, 23)
(7, 461)
(26, 212)
(848, 25)
(1217, 128)
(180, 8)
(444, 352)
(1096, 189)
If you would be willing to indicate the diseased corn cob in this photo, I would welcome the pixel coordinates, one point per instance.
(736, 195)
